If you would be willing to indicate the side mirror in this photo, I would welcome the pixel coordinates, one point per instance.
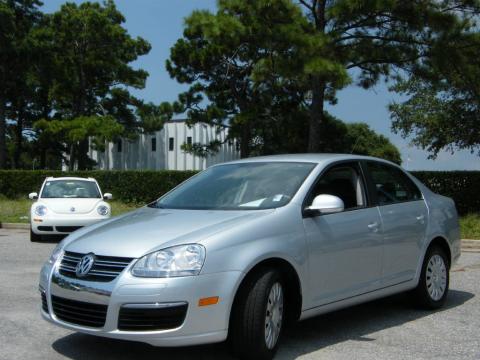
(107, 196)
(33, 196)
(325, 204)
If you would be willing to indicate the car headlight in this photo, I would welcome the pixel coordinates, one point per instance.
(56, 253)
(103, 210)
(41, 210)
(183, 260)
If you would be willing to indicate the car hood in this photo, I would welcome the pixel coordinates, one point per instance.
(65, 205)
(149, 229)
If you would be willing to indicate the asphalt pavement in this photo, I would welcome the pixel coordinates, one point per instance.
(390, 328)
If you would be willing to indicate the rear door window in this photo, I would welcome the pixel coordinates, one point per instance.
(391, 184)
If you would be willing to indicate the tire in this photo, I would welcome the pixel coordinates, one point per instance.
(35, 237)
(254, 312)
(432, 289)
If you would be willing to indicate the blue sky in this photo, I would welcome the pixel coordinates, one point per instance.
(161, 23)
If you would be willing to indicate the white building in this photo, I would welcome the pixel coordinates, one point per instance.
(162, 149)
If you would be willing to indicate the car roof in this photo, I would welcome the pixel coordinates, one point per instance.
(318, 158)
(51, 178)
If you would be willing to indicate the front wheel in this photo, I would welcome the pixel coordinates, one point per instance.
(35, 237)
(258, 316)
(432, 289)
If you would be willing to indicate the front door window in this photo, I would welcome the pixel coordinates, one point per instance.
(345, 182)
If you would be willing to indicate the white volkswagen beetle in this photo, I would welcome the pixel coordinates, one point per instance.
(66, 204)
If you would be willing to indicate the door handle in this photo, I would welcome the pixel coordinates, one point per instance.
(373, 226)
(420, 218)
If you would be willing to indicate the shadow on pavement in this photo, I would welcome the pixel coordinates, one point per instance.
(52, 239)
(354, 323)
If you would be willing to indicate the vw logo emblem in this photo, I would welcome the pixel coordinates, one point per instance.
(72, 209)
(84, 266)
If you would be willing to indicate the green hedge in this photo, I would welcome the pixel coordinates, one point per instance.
(145, 186)
(128, 186)
(461, 186)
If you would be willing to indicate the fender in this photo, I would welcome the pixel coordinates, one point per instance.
(424, 252)
(266, 257)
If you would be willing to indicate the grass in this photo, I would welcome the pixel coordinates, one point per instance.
(470, 226)
(17, 211)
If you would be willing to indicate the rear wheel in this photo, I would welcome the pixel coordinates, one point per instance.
(35, 237)
(258, 315)
(432, 289)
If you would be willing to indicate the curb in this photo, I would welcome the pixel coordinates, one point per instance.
(14, 226)
(470, 245)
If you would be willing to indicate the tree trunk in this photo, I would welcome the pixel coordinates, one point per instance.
(71, 159)
(82, 155)
(316, 116)
(80, 110)
(43, 157)
(245, 141)
(42, 141)
(3, 128)
(318, 86)
(18, 137)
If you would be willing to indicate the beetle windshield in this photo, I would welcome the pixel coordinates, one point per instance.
(239, 186)
(70, 189)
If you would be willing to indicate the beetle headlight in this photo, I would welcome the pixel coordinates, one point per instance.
(103, 210)
(183, 260)
(41, 210)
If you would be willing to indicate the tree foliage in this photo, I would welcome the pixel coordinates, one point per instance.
(99, 129)
(93, 69)
(262, 65)
(266, 68)
(17, 19)
(378, 39)
(442, 110)
(235, 62)
(357, 138)
(75, 72)
(364, 141)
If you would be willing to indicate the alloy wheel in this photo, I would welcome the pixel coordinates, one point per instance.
(436, 277)
(274, 315)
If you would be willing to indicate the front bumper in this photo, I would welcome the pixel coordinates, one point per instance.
(62, 224)
(201, 325)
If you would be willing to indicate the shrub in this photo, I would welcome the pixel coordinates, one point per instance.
(134, 186)
(461, 186)
(128, 186)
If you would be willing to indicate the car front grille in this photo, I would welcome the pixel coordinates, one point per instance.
(67, 229)
(104, 269)
(45, 228)
(79, 312)
(150, 319)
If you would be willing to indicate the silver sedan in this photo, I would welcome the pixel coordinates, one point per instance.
(241, 249)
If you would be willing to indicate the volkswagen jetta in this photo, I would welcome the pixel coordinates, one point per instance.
(242, 248)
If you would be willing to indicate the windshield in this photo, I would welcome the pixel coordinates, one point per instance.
(239, 187)
(70, 189)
